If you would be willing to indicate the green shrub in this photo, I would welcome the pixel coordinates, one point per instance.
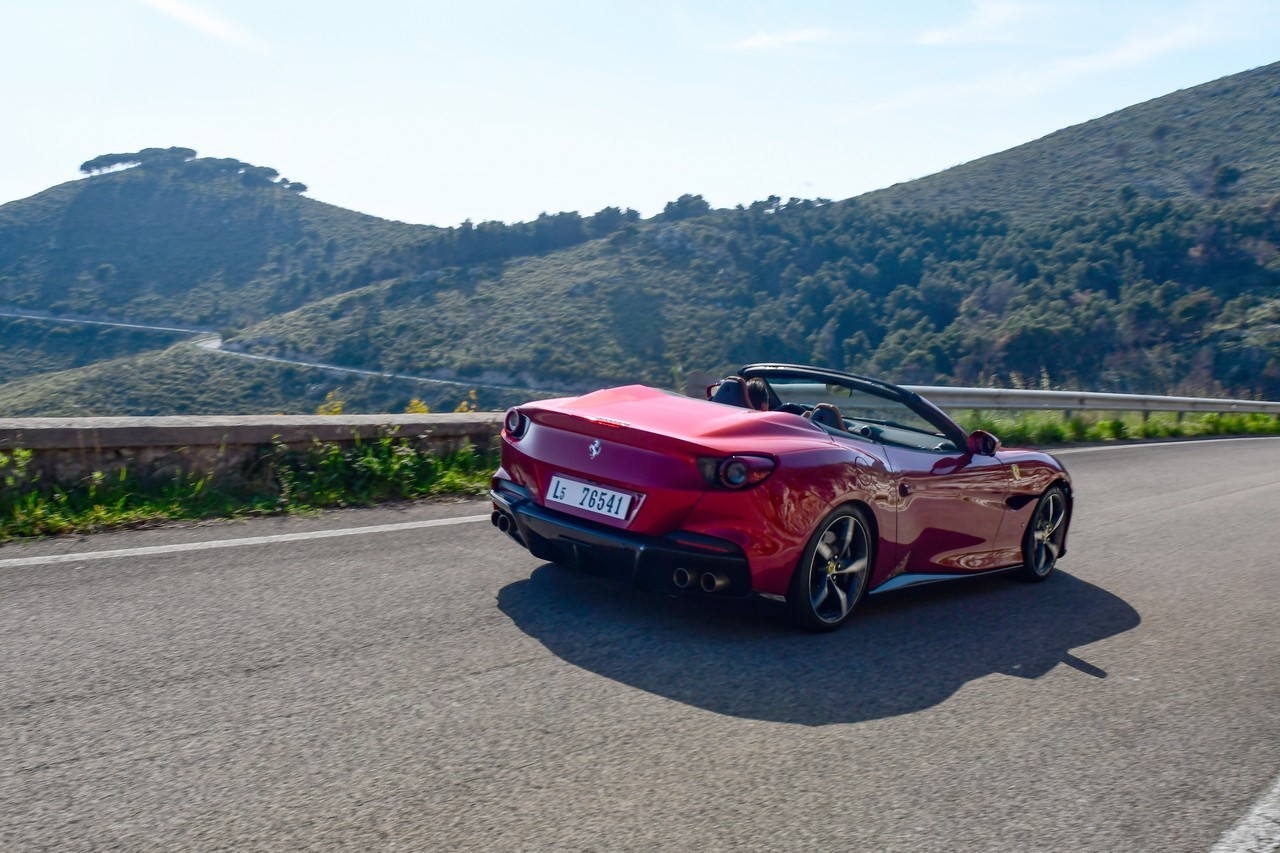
(1049, 428)
(1049, 432)
(1113, 430)
(389, 468)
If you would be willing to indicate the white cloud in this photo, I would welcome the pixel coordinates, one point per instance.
(207, 23)
(1140, 48)
(1148, 42)
(776, 41)
(992, 21)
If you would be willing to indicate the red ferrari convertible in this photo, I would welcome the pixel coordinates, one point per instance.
(808, 485)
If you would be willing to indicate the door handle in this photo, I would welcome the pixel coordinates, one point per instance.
(904, 489)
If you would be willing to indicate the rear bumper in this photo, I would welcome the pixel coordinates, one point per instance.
(646, 561)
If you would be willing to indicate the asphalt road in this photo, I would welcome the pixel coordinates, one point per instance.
(435, 687)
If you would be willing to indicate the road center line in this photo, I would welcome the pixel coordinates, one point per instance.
(1259, 830)
(213, 544)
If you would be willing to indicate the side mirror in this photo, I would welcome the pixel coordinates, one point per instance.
(711, 389)
(983, 443)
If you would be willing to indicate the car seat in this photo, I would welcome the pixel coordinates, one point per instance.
(827, 415)
(732, 391)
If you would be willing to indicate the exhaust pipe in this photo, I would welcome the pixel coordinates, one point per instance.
(713, 582)
(682, 578)
(507, 525)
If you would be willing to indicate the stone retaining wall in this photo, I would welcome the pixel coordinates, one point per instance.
(233, 450)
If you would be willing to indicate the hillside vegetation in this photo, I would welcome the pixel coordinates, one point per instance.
(183, 380)
(32, 347)
(1147, 297)
(1219, 140)
(1139, 252)
(181, 240)
(165, 235)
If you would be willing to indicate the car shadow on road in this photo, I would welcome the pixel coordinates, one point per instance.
(902, 652)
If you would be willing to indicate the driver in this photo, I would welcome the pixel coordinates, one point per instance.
(757, 394)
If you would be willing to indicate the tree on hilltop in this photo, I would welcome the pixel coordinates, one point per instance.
(685, 207)
(197, 168)
(609, 219)
(107, 162)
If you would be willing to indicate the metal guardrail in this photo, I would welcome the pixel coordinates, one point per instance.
(1070, 401)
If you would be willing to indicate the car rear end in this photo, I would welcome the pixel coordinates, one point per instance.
(609, 480)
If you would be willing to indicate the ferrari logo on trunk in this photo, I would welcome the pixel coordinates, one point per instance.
(593, 449)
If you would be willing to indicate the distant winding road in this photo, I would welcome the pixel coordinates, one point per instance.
(210, 341)
(406, 678)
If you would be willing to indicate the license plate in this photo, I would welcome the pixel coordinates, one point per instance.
(591, 498)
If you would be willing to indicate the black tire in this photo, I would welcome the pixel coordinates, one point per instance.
(831, 577)
(1042, 543)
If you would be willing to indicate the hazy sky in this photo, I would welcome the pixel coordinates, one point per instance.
(437, 112)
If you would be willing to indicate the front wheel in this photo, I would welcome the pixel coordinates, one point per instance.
(832, 575)
(1042, 543)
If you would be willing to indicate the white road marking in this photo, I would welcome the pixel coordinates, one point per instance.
(1259, 830)
(178, 547)
(1191, 442)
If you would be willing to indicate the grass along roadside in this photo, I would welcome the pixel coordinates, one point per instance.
(324, 475)
(328, 474)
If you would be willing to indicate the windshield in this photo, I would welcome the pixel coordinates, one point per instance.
(865, 414)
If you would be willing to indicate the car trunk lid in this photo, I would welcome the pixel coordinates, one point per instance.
(642, 443)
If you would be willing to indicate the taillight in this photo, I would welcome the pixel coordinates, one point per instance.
(735, 472)
(515, 423)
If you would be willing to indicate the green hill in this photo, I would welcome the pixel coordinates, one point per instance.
(1139, 252)
(1146, 297)
(183, 380)
(183, 239)
(32, 347)
(1219, 140)
(166, 236)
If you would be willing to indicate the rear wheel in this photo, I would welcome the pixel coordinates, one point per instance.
(1042, 543)
(832, 575)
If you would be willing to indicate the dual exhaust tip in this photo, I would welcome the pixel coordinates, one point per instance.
(707, 581)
